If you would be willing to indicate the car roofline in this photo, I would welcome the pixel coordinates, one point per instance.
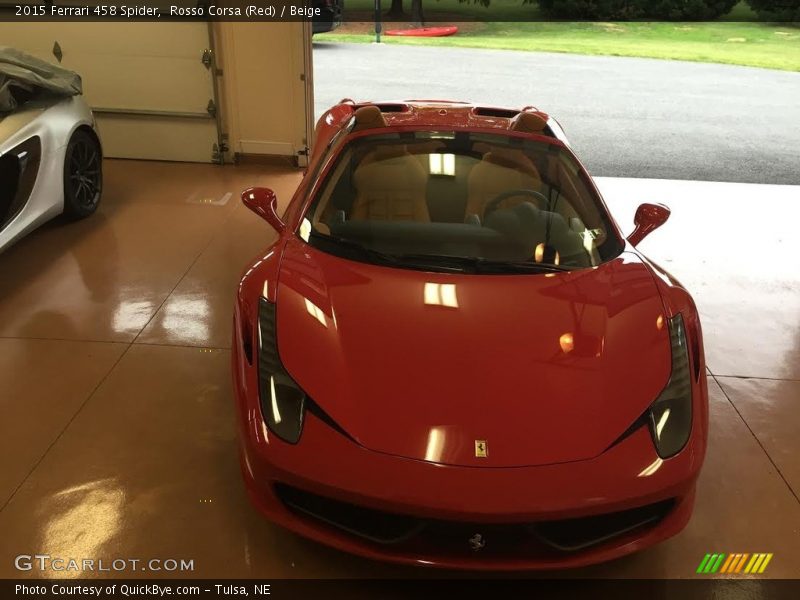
(455, 113)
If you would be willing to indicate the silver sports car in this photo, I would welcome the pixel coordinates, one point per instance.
(50, 154)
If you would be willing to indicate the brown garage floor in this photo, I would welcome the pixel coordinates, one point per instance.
(117, 437)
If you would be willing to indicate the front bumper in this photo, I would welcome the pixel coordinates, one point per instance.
(523, 515)
(333, 490)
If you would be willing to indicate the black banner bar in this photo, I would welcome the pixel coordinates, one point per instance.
(417, 589)
(427, 12)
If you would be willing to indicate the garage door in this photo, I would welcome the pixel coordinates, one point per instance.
(151, 85)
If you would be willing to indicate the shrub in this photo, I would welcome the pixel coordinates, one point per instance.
(623, 10)
(691, 10)
(592, 9)
(776, 10)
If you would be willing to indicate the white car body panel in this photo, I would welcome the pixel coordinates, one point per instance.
(54, 122)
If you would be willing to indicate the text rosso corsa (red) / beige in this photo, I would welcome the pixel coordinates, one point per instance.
(247, 11)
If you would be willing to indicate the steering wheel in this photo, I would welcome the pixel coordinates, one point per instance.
(494, 203)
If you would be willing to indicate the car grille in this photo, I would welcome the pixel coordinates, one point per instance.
(464, 538)
(374, 525)
(577, 534)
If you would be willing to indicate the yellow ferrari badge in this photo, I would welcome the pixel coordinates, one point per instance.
(481, 449)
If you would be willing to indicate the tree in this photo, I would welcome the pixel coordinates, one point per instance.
(417, 15)
(396, 10)
(416, 12)
(672, 10)
(776, 10)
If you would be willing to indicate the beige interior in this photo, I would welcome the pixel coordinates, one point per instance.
(390, 188)
(369, 117)
(528, 122)
(501, 170)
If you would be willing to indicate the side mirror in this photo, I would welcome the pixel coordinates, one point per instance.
(649, 217)
(264, 203)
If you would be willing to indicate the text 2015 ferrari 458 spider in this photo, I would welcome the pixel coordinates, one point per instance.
(451, 356)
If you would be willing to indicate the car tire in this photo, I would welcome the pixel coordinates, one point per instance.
(83, 175)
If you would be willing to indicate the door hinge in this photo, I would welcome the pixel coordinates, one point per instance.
(302, 157)
(218, 154)
(211, 108)
(207, 58)
(219, 149)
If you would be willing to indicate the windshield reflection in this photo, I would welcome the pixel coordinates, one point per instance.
(416, 200)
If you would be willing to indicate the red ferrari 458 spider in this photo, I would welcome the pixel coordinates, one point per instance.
(451, 356)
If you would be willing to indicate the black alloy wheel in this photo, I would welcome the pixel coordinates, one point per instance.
(83, 175)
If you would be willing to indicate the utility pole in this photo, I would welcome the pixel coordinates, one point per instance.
(377, 21)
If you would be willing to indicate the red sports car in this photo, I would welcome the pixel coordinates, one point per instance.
(451, 356)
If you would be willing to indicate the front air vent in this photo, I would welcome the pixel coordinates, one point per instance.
(247, 341)
(374, 525)
(484, 111)
(268, 361)
(571, 535)
(392, 108)
(693, 334)
(544, 538)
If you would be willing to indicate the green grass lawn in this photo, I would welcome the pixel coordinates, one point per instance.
(770, 45)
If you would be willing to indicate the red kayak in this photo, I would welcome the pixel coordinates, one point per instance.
(425, 31)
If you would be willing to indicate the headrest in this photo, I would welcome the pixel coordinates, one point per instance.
(528, 122)
(369, 117)
(383, 153)
(512, 159)
(391, 151)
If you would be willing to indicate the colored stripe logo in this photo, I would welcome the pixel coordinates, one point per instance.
(736, 563)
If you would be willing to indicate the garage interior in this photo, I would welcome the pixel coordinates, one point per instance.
(119, 434)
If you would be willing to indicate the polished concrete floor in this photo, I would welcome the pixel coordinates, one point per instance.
(117, 433)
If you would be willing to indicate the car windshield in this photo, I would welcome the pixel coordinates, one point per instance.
(459, 201)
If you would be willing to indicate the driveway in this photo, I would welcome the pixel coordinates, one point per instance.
(625, 117)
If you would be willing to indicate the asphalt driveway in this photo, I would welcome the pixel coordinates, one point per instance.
(625, 117)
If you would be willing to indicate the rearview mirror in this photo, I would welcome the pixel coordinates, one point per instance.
(649, 217)
(264, 203)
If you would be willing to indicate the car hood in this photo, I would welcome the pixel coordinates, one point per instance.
(541, 369)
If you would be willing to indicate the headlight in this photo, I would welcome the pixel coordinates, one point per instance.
(282, 400)
(671, 413)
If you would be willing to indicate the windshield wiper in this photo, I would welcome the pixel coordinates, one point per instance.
(428, 262)
(433, 262)
(364, 251)
(485, 265)
(474, 264)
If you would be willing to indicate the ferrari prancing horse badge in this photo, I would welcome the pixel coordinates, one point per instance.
(481, 449)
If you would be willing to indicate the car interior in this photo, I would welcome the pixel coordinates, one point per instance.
(461, 194)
